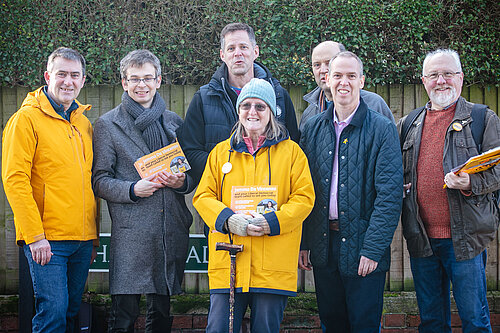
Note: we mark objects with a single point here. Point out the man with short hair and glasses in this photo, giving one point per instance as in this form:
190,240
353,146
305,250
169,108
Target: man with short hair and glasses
447,228
149,218
46,173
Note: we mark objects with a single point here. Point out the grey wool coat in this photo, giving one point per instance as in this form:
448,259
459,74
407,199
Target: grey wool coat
149,239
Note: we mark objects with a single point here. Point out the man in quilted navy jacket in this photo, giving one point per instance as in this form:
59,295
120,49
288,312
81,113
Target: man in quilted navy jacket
355,161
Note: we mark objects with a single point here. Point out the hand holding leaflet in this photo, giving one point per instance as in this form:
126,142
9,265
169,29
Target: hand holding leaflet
479,163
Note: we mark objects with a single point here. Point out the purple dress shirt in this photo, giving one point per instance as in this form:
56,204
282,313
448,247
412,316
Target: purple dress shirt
333,213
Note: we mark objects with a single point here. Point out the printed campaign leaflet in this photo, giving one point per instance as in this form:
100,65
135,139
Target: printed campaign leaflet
170,159
255,198
479,162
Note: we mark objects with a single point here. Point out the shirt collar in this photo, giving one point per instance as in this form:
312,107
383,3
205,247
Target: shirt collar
348,120
248,142
428,106
60,108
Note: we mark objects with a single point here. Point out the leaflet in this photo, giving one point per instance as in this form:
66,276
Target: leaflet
256,198
170,159
480,162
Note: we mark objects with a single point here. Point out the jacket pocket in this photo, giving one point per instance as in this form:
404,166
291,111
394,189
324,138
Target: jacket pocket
480,214
218,259
121,215
465,148
281,253
408,156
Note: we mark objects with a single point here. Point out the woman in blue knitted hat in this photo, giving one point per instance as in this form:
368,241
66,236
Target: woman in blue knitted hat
258,161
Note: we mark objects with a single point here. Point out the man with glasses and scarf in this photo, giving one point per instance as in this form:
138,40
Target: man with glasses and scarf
150,220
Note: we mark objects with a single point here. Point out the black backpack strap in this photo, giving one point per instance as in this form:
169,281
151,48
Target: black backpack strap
478,115
405,128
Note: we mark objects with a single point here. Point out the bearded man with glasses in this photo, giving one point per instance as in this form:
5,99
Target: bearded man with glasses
448,229
150,220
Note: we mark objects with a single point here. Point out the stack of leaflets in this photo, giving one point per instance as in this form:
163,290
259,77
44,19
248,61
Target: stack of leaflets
480,162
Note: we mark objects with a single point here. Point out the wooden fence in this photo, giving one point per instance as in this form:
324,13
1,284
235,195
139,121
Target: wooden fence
400,98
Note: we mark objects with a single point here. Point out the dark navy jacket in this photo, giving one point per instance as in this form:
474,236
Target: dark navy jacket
370,187
212,115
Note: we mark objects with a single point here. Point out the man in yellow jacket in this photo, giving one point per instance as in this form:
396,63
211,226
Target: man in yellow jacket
46,172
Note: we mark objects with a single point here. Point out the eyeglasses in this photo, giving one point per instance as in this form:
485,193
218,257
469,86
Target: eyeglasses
446,75
146,80
258,107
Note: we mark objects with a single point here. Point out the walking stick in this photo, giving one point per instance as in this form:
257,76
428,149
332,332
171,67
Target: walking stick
232,249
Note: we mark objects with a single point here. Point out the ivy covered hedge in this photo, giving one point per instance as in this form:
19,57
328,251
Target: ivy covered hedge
390,36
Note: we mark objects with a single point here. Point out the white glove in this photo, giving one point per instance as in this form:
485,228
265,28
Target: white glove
237,224
260,221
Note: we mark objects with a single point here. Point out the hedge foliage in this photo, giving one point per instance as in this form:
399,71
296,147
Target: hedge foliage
390,36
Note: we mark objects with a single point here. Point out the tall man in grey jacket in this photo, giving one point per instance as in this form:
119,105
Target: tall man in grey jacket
149,218
448,229
320,97
355,163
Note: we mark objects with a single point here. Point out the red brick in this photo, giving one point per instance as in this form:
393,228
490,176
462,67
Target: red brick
199,321
9,323
495,319
455,320
399,330
183,321
412,320
140,323
456,330
394,320
300,322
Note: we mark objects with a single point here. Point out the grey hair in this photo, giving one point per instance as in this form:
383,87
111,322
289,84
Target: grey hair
274,130
346,54
138,58
232,27
66,53
449,52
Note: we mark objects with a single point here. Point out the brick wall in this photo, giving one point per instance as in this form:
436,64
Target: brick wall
391,323
400,315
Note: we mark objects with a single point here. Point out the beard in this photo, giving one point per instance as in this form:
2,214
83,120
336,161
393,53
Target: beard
443,99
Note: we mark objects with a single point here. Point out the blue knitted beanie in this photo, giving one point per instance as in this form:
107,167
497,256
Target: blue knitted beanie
258,88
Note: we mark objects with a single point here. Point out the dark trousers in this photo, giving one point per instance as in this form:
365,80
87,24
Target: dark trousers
125,310
348,303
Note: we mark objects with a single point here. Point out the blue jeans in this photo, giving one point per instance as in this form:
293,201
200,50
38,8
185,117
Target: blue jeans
432,276
58,285
348,303
265,317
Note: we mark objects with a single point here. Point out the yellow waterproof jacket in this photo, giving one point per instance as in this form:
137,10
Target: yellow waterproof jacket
268,264
46,172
